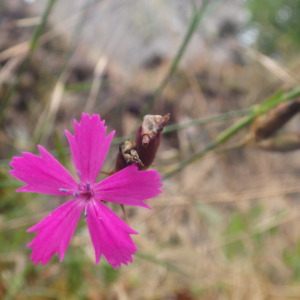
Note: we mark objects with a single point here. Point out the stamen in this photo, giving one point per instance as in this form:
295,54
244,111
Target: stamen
88,187
64,190
78,174
85,214
75,194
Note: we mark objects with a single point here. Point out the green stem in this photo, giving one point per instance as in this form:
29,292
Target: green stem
40,28
160,262
202,121
48,121
32,46
232,130
195,21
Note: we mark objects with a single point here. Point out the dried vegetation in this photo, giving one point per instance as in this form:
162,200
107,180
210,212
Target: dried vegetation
226,226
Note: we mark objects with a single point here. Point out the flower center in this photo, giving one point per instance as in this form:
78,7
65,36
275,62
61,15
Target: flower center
85,191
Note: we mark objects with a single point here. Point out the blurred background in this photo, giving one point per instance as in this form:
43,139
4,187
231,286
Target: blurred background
227,224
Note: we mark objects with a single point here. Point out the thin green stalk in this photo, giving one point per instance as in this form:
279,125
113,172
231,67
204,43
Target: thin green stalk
32,46
41,26
160,262
232,130
195,21
48,121
202,121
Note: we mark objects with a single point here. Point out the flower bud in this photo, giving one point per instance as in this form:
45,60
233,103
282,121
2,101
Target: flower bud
127,155
143,150
148,138
266,125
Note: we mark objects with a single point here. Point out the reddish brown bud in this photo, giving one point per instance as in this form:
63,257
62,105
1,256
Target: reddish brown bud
265,126
148,138
143,150
151,126
127,155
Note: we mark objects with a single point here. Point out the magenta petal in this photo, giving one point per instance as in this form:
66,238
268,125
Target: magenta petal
55,232
89,146
110,235
42,174
129,186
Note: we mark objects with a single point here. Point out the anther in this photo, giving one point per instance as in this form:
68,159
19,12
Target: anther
88,187
75,194
85,214
64,190
78,174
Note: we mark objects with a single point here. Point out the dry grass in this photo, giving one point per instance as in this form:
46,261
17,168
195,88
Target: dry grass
226,227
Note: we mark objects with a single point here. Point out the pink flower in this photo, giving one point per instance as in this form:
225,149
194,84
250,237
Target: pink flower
44,174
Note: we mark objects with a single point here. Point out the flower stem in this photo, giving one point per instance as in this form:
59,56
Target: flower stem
193,26
202,121
32,46
232,130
